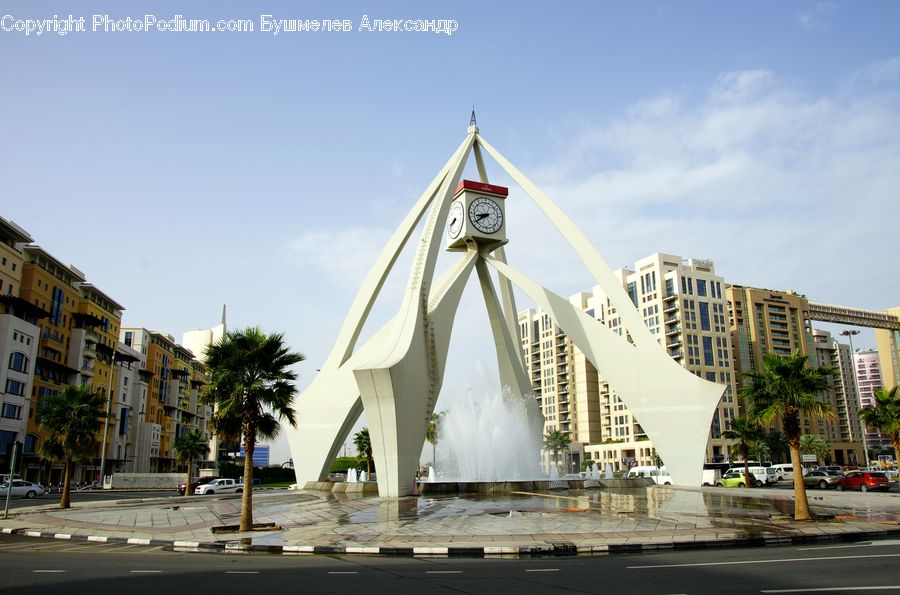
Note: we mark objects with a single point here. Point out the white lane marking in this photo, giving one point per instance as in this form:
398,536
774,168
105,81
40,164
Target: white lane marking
831,589
542,570
443,572
884,542
342,572
47,571
765,561
145,571
241,572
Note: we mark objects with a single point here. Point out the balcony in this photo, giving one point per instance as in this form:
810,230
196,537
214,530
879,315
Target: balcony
670,306
673,342
673,329
670,296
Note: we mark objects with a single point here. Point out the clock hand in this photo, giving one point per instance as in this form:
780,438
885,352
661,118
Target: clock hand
452,221
481,216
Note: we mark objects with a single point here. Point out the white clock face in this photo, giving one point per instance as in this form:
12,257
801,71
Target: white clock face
485,215
455,220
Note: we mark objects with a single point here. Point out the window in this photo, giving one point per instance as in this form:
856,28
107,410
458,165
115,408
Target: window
707,351
129,338
30,444
632,291
18,362
14,387
701,287
11,411
6,439
704,316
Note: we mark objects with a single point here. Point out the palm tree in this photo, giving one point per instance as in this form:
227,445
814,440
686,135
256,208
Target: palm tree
555,441
189,447
364,448
250,382
433,434
786,388
811,444
72,419
884,417
747,432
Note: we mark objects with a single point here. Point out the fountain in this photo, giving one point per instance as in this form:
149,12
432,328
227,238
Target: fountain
362,476
609,471
351,475
432,477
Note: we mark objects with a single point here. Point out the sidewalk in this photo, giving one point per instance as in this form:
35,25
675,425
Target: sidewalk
591,521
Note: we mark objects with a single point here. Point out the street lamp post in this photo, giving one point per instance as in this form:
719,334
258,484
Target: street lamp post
850,333
112,364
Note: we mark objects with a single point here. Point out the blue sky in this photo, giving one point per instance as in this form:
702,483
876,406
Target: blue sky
181,171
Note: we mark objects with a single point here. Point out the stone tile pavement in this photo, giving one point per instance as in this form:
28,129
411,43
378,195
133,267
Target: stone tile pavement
587,521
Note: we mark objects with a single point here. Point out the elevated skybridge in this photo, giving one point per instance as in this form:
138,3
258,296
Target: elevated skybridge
853,316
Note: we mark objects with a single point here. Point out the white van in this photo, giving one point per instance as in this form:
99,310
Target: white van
660,475
784,471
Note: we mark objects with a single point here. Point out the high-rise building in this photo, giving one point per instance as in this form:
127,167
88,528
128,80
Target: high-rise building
869,379
888,343
843,434
682,302
197,341
170,382
765,321
19,335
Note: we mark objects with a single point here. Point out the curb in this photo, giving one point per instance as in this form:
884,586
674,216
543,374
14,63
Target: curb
536,550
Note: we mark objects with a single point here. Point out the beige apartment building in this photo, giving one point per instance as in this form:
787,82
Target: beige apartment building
766,321
683,303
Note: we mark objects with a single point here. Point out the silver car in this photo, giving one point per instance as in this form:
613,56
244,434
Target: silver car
22,489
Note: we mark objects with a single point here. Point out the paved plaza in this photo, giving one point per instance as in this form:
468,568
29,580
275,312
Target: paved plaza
589,521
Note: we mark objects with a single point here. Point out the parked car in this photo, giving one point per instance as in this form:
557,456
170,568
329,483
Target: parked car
732,479
820,479
762,475
833,469
221,485
194,484
22,489
864,481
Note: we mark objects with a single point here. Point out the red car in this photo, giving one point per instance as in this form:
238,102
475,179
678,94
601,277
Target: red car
194,484
864,481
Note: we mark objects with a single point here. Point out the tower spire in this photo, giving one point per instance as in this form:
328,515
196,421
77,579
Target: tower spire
472,121
223,314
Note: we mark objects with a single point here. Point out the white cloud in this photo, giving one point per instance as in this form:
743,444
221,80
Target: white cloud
342,255
817,19
780,187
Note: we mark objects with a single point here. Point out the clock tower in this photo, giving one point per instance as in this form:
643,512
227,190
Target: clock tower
477,215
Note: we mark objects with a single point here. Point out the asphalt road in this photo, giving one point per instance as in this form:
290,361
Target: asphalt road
29,565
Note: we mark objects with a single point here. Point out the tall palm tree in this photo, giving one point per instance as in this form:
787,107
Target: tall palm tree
747,432
189,447
786,388
364,448
884,417
433,434
72,419
250,383
556,441
812,444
